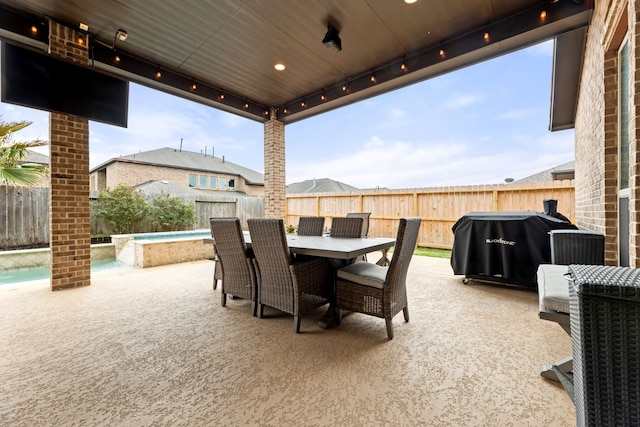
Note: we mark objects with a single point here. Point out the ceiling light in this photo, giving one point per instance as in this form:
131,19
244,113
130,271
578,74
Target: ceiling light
279,66
410,1
121,35
332,40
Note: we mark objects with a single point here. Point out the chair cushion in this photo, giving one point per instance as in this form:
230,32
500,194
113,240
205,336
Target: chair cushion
364,273
553,287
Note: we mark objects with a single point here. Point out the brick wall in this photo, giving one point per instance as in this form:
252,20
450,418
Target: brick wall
69,176
132,174
597,128
274,170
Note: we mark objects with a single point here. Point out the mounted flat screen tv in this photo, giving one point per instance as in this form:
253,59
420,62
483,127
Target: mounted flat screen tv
36,80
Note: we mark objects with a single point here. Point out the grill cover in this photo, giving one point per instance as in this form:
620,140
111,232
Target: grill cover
503,246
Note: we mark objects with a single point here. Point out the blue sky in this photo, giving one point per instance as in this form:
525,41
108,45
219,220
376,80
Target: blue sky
478,125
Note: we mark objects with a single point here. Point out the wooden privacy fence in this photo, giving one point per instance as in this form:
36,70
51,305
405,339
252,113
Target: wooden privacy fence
439,208
24,216
24,212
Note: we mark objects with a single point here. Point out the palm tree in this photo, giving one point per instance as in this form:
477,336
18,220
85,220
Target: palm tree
12,171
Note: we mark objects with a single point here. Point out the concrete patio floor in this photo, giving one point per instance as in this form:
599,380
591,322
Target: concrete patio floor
153,346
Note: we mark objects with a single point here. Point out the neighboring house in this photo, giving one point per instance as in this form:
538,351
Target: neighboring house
207,203
185,168
40,159
323,185
557,173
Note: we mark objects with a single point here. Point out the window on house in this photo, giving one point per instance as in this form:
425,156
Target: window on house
223,183
203,181
232,184
213,182
193,181
623,104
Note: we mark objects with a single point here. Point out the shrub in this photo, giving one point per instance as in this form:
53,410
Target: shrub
123,208
171,214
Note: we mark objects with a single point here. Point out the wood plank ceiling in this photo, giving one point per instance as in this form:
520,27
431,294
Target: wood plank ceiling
230,47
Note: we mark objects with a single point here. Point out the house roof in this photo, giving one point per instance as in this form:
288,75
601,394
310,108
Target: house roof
188,160
548,175
230,47
35,157
322,185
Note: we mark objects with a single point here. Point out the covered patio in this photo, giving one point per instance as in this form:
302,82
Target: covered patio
224,54
154,347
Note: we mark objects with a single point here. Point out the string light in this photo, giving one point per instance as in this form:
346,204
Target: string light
194,86
441,53
372,78
486,37
34,29
543,14
323,97
117,58
158,75
303,104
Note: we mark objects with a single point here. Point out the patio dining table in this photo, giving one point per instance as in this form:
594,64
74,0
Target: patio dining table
341,248
332,247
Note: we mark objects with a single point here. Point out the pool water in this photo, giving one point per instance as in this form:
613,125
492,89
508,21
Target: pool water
173,235
39,273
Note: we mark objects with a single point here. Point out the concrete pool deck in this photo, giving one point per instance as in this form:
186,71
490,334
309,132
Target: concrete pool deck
153,346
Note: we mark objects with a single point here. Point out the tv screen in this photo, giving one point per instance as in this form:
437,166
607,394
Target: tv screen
36,80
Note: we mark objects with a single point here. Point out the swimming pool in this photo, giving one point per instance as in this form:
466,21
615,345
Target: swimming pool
20,275
129,250
173,235
153,249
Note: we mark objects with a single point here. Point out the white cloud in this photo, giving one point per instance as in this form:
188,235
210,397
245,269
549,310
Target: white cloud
517,114
381,163
461,100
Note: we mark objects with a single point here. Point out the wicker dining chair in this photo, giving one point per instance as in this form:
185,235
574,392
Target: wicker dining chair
286,283
365,228
217,270
235,259
376,290
346,227
365,221
310,225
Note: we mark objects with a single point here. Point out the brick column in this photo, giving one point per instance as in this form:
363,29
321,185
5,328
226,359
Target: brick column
70,224
274,169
